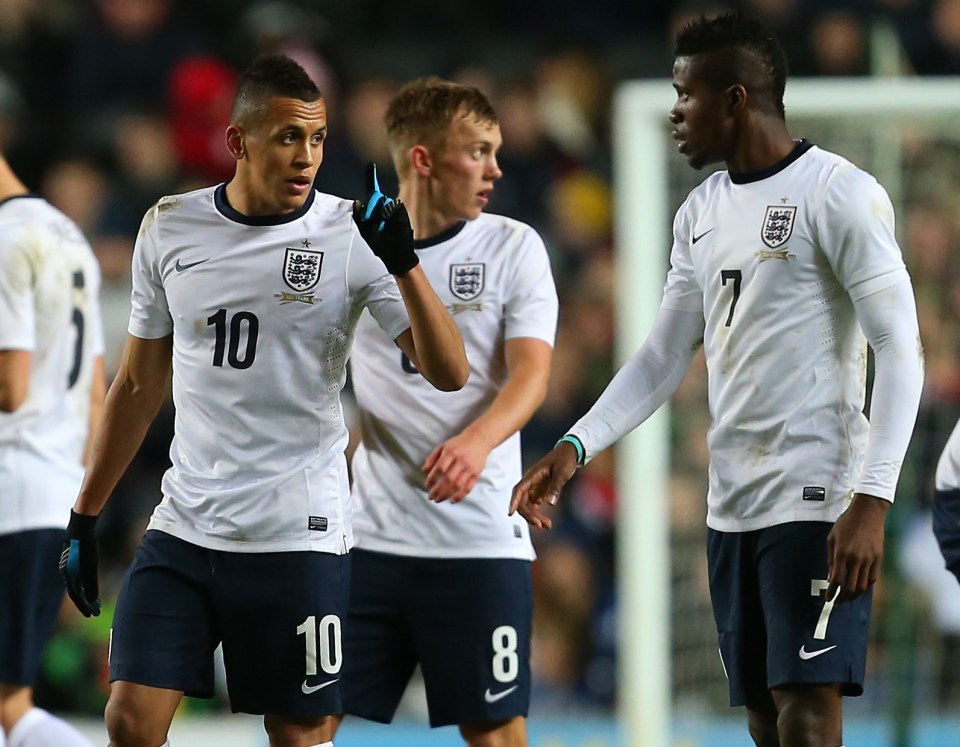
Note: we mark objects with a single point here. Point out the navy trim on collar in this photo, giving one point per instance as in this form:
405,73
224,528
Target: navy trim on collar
30,195
440,237
755,176
223,206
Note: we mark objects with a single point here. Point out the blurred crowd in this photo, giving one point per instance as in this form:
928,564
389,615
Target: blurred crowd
105,105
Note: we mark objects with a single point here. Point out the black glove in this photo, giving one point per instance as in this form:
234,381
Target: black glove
385,226
78,563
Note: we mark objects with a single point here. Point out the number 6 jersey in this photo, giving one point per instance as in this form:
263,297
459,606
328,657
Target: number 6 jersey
494,276
49,285
262,312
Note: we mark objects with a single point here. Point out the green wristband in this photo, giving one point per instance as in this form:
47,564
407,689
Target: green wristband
577,444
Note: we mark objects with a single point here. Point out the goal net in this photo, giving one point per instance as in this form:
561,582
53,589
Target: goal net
906,132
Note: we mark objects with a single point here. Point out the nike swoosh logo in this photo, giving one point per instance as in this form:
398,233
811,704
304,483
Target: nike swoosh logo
494,697
307,689
180,267
697,238
804,654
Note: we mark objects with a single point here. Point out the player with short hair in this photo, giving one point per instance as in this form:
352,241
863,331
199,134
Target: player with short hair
249,292
51,395
441,575
778,262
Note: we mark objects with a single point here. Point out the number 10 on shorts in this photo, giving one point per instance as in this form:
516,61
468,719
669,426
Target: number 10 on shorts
330,649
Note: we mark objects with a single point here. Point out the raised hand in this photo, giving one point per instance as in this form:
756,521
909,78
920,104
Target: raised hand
385,226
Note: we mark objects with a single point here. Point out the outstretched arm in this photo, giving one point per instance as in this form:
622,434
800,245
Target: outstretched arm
453,467
855,545
644,383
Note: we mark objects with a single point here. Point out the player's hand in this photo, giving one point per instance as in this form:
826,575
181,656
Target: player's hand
855,547
543,481
454,467
78,563
385,226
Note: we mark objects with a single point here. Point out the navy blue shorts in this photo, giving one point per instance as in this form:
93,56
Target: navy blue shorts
946,527
775,627
278,616
465,621
30,599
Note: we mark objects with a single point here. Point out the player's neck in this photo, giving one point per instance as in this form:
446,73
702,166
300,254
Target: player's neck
10,185
761,147
426,219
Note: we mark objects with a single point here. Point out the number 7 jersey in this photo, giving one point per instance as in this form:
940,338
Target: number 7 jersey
775,261
262,312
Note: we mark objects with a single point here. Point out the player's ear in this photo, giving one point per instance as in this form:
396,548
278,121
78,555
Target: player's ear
736,97
235,142
420,160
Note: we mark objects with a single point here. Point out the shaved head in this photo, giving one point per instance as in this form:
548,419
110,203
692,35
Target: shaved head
268,77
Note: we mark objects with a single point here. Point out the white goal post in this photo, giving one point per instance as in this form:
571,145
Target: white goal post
642,239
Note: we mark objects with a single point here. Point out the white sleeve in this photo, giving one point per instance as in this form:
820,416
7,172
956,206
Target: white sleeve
889,321
149,313
372,287
645,382
18,323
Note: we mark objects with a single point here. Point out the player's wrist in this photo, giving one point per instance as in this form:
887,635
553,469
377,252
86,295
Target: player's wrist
81,526
400,265
577,444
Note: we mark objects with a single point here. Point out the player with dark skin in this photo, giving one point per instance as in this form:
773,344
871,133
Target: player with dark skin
729,110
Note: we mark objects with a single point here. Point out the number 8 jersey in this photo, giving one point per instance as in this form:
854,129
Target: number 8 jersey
262,312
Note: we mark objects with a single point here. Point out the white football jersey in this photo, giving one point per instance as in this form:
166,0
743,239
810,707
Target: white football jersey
494,276
774,261
262,312
49,281
948,467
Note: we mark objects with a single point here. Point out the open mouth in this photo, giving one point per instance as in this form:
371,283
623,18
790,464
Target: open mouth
300,184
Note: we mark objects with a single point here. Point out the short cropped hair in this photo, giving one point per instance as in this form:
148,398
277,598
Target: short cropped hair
268,76
763,67
423,110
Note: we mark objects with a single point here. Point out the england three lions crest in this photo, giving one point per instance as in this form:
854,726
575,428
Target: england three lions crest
301,268
466,280
778,224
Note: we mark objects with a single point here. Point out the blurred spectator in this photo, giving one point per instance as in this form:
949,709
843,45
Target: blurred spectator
357,135
838,45
200,92
573,100
122,57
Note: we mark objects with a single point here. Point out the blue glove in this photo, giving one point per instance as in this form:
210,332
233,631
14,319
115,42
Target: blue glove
385,226
78,563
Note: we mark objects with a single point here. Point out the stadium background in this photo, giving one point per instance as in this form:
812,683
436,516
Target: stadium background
107,104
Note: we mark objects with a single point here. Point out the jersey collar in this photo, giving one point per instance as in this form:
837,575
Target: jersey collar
227,211
440,237
31,195
747,177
